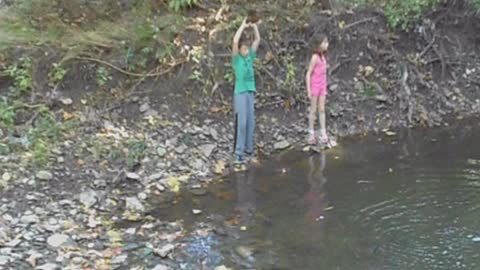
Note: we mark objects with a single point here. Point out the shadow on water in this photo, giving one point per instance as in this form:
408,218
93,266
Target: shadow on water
411,201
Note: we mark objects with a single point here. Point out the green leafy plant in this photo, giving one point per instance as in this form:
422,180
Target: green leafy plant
229,76
7,115
103,76
177,5
40,152
57,74
44,135
136,151
21,73
369,90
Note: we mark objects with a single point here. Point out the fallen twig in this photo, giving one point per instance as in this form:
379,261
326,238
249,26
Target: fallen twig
337,66
359,22
427,48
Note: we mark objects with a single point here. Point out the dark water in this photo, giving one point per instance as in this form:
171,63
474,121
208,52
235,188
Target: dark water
411,201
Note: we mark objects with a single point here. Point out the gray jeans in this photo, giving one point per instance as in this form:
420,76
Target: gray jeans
244,104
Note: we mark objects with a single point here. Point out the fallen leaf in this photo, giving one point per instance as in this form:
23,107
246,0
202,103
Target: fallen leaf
173,184
341,24
215,109
219,167
67,116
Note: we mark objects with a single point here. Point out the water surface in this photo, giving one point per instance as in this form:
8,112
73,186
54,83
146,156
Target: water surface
410,201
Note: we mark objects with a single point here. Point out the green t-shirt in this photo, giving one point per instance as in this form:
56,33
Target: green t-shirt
244,73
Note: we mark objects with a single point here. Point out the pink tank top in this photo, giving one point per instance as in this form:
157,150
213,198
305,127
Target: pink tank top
319,74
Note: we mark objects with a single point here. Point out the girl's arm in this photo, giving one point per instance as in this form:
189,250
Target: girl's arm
256,42
237,37
309,73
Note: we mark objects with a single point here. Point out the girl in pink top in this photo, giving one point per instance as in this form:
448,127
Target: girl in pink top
317,89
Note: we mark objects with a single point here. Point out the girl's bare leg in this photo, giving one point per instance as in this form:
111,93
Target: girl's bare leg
322,117
311,118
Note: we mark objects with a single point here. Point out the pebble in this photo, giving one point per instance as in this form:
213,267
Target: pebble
119,259
4,260
132,176
281,145
29,219
207,149
6,177
88,198
165,250
67,101
44,175
161,267
57,240
134,204
161,151
48,266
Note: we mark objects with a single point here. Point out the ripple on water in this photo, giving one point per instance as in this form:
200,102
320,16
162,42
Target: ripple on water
427,224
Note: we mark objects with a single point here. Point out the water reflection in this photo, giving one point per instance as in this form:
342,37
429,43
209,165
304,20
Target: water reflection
245,204
315,199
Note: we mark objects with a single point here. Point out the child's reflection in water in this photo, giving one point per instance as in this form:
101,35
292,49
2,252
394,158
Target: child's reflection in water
315,199
246,202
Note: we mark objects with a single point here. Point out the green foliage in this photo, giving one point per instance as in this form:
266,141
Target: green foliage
40,152
21,73
369,90
136,151
401,13
43,136
57,73
177,5
103,76
7,115
476,3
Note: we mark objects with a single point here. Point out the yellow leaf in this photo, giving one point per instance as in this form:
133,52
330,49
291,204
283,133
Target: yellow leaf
67,116
173,184
115,237
341,24
219,167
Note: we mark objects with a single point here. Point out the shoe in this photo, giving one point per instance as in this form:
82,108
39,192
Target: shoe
312,140
324,139
239,160
251,157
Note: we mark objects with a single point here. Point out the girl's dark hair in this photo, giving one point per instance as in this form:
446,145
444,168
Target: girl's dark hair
241,42
316,43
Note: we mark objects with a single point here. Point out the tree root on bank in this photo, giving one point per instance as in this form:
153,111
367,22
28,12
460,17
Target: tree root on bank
128,73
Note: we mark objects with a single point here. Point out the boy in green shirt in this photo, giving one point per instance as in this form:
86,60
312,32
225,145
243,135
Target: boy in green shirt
243,58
